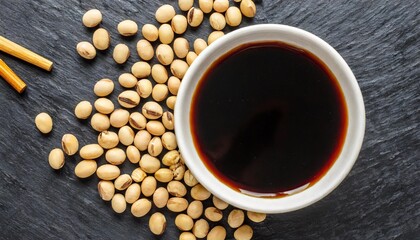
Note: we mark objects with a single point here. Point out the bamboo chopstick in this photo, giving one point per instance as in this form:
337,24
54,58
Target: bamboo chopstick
27,55
11,77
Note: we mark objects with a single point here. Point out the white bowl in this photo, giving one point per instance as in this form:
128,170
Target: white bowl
353,98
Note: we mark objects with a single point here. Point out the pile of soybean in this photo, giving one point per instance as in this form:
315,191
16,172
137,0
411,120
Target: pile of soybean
147,133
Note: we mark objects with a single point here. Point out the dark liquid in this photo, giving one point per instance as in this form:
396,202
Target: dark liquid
268,118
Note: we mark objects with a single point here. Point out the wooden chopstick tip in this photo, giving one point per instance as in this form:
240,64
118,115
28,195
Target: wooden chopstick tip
25,54
10,76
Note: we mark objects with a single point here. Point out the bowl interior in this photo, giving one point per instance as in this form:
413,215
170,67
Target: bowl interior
298,38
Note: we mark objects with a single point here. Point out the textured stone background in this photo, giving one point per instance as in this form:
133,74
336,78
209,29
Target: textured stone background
380,199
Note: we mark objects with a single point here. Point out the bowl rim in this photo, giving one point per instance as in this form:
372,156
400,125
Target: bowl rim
347,81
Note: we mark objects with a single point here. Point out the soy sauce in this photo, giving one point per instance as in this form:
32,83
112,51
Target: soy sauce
268,119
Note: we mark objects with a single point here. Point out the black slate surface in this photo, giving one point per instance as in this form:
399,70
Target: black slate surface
380,199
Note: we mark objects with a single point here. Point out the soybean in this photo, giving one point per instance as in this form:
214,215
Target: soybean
103,87
137,121
220,204
155,128
101,39
144,88
169,141
157,223
177,204
152,110
164,54
185,5
123,182
108,172
44,122
245,232
173,85
106,190
148,186
168,120
142,139
256,217
184,222
195,17
159,92
141,69
201,228
205,5
189,179
150,32
233,16
133,154
141,207
217,233
220,5
159,73
160,197
138,175
119,118
199,45
83,110
145,50
127,80
213,214
171,158
236,218
56,158
121,53
132,193
149,164
164,175
195,209
70,144
86,50
127,28
214,36
187,236
126,135
104,105
178,170
100,122
85,168
115,156
166,34
170,102
248,8
181,47
129,99
118,203
92,18
198,192
191,56
91,151
176,189
179,68
217,21
108,139
179,24
165,13
155,146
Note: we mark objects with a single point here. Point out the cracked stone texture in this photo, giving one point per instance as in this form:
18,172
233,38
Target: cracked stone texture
380,199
